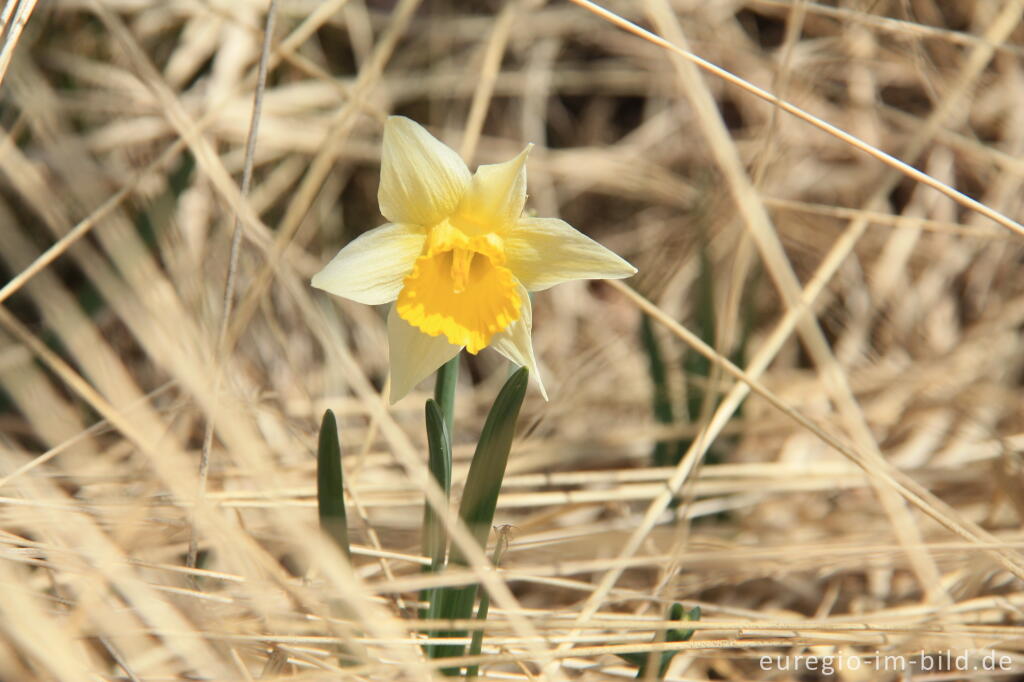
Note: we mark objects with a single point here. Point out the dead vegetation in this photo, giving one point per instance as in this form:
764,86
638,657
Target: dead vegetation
866,500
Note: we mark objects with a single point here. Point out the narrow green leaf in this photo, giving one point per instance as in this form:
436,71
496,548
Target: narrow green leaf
439,443
676,611
435,538
676,635
748,319
661,400
330,488
665,453
696,364
487,470
477,642
330,493
637,658
480,497
642,659
440,464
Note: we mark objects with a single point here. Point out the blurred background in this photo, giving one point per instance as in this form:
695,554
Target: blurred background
865,497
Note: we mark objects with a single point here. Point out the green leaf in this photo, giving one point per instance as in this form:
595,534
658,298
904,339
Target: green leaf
440,465
330,493
637,658
642,659
487,470
480,497
330,490
696,364
661,400
477,642
440,416
679,613
435,538
665,453
748,320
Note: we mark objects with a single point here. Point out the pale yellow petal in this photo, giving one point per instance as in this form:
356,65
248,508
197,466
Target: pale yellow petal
421,179
495,198
413,355
516,342
543,252
371,268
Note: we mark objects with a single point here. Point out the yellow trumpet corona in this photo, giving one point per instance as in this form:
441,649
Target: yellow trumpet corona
457,257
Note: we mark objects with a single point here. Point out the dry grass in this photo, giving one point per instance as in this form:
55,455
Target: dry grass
859,164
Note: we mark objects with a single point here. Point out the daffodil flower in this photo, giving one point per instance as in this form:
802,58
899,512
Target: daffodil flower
457,256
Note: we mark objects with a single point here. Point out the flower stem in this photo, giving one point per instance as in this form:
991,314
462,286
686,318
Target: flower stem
444,391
